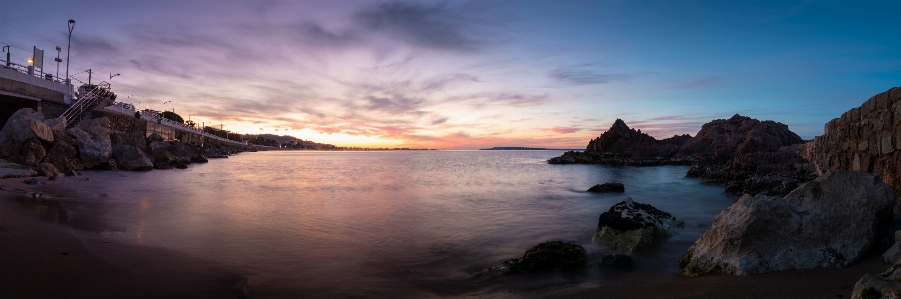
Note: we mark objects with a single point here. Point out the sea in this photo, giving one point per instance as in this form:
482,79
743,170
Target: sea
388,224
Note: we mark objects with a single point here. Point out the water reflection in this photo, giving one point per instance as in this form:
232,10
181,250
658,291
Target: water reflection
398,224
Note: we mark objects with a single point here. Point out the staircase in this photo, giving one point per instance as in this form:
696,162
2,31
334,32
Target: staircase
85,104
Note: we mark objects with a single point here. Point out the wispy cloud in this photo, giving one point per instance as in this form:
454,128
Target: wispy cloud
584,76
700,82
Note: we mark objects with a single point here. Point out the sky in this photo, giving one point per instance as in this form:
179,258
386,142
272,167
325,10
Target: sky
472,74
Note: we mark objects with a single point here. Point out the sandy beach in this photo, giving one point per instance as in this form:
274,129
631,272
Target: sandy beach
40,257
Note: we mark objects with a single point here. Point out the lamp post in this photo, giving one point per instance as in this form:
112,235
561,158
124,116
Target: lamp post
69,48
58,51
111,76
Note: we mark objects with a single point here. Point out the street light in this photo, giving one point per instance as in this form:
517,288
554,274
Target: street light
111,76
69,48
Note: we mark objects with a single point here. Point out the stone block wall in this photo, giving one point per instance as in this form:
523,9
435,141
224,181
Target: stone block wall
866,139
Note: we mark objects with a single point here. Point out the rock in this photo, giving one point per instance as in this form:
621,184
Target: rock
112,165
131,158
31,153
173,153
549,256
893,254
874,287
616,261
629,226
47,169
23,125
829,222
60,156
199,159
608,187
746,154
56,124
32,181
154,137
93,137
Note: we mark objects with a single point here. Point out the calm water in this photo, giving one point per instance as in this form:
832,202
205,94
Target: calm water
376,224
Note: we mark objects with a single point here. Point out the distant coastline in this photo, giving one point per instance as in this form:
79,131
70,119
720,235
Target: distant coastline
523,148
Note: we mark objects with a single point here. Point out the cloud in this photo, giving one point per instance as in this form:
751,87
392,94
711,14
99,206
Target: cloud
578,76
470,27
699,82
564,130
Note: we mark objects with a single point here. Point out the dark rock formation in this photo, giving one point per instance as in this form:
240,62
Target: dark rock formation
749,156
131,158
93,137
608,187
621,145
745,154
548,256
616,261
25,124
876,287
829,222
866,138
629,226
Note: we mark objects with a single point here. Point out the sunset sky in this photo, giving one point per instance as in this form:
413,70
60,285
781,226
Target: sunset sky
474,74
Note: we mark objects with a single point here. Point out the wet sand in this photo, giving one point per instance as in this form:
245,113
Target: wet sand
46,259
42,258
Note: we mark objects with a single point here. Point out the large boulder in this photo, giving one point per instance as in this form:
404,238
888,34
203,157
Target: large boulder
23,125
876,287
93,138
608,187
128,157
169,153
548,256
630,226
61,155
829,222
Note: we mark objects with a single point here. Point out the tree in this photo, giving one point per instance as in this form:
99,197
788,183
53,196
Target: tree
173,117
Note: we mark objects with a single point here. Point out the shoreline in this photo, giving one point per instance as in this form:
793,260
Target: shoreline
43,258
32,265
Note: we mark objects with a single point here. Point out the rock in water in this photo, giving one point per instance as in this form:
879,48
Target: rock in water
549,256
829,222
608,187
131,158
629,226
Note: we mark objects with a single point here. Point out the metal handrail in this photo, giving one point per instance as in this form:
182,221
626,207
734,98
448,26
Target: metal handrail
85,101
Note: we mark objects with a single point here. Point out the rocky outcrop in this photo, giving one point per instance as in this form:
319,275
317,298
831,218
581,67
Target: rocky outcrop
630,226
621,145
128,157
93,138
876,287
25,124
748,156
866,138
548,256
607,187
829,222
745,154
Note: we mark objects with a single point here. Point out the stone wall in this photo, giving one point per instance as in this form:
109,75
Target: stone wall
51,109
866,139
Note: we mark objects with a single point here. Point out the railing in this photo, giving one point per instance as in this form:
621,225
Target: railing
86,102
153,116
24,69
